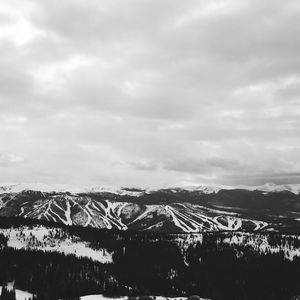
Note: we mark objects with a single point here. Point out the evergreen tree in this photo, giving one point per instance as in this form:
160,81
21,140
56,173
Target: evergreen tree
7,294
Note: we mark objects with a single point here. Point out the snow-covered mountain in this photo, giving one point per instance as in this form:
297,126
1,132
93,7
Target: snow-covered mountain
137,191
189,209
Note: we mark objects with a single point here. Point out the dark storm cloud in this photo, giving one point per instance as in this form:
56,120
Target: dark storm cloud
147,92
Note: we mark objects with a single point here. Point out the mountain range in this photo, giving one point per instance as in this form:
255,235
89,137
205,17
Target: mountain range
203,208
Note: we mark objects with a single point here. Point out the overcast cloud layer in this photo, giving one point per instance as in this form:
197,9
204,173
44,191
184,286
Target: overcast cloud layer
150,92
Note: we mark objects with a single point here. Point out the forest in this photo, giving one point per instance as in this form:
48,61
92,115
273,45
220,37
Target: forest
155,264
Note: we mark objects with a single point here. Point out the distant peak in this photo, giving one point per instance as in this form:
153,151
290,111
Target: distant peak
136,191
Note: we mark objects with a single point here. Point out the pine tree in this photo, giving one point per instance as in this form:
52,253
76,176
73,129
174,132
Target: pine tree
7,295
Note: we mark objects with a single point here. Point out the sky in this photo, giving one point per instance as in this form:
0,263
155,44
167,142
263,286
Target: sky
150,92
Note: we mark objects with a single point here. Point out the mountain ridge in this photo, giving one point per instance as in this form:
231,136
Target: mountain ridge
205,188
165,210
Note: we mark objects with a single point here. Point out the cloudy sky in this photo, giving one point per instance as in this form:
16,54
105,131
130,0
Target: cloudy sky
150,92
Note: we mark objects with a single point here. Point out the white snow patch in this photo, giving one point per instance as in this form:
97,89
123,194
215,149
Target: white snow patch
101,297
42,238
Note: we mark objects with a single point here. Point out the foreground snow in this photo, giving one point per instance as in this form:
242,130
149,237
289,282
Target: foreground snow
101,297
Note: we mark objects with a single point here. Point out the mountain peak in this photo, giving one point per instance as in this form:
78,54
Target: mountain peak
136,191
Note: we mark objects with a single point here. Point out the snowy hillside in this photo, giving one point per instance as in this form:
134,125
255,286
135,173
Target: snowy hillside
86,211
48,239
193,209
